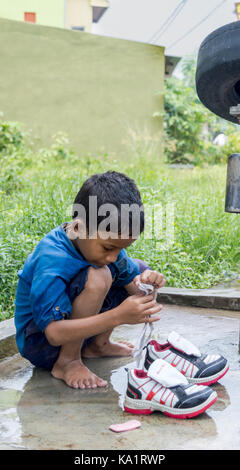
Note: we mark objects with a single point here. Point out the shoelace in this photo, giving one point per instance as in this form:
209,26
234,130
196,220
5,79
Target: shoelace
137,351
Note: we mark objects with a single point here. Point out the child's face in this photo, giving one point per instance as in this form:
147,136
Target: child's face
101,251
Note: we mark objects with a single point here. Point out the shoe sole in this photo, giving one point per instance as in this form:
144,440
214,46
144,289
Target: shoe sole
142,407
209,380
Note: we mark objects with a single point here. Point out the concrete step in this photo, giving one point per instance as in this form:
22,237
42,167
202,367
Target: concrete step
8,345
218,298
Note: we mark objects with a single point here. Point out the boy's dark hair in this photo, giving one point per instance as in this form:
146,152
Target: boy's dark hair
114,188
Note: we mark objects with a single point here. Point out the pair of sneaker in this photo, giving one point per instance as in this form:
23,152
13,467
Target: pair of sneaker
175,379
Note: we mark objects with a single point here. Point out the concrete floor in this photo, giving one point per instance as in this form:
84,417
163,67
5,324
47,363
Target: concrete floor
40,412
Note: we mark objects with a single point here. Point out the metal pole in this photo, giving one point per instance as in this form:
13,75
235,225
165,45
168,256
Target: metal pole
232,203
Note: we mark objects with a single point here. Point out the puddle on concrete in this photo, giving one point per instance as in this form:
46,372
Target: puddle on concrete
17,381
229,284
119,381
40,412
10,426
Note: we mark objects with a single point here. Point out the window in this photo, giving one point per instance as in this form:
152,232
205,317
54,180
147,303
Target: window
78,28
98,12
29,17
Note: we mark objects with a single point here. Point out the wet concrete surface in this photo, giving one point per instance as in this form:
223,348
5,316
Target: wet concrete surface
232,284
40,412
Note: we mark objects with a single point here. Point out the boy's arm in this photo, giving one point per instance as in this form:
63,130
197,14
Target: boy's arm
63,331
126,269
132,310
129,274
48,299
52,308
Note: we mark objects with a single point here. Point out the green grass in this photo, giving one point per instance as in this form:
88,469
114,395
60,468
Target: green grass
39,191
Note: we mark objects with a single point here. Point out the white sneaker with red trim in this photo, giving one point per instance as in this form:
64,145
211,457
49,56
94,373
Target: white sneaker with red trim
204,369
163,388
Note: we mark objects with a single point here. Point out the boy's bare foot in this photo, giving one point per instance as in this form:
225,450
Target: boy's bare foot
109,348
76,375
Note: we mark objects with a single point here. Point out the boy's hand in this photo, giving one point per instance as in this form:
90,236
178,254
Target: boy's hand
136,308
150,277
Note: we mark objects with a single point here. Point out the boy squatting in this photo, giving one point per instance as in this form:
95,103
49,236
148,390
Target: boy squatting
67,280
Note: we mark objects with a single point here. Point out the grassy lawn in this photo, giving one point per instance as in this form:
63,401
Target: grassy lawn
39,189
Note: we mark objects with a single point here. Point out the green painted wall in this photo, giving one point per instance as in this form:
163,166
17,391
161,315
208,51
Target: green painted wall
48,12
99,90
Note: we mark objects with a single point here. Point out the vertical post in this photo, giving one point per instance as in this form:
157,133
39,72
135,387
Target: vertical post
232,203
239,340
64,12
237,10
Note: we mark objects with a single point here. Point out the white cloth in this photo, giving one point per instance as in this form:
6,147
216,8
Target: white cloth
165,374
182,344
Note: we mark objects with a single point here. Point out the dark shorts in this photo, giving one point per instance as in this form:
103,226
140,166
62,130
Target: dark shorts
36,346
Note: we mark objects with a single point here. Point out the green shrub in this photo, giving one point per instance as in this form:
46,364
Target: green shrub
37,189
232,145
11,136
14,156
189,127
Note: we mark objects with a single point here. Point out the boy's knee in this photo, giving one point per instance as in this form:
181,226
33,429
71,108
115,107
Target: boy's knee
99,279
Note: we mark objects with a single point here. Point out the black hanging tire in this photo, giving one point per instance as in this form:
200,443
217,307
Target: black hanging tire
218,70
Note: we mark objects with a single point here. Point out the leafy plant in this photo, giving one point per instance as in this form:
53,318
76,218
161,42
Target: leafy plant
37,189
11,136
189,127
14,155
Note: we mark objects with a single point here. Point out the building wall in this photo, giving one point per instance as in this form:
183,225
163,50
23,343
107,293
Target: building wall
101,91
78,13
59,13
48,12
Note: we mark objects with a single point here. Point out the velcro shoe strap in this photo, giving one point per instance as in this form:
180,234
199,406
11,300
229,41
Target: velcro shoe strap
183,345
165,374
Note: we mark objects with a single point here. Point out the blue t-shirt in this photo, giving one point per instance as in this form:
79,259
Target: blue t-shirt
42,286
